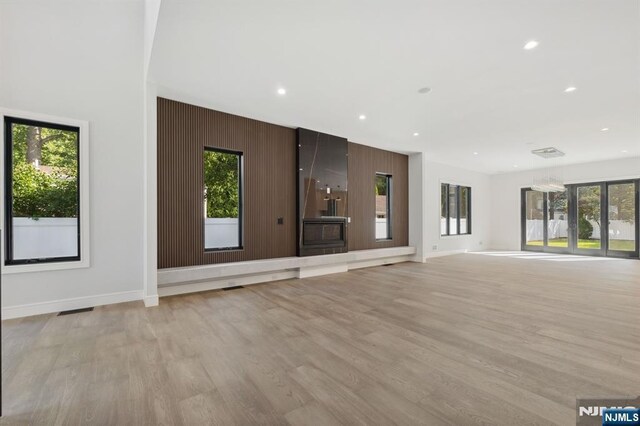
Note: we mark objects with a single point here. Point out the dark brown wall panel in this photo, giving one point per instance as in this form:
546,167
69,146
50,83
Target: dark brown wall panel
269,184
364,163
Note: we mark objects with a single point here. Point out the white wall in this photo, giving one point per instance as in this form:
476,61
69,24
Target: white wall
151,12
84,60
505,194
417,205
435,174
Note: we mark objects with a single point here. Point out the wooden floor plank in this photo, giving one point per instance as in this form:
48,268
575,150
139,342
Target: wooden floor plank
486,338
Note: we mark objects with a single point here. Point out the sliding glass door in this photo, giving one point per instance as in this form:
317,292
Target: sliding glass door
557,212
546,221
622,219
597,219
533,229
588,219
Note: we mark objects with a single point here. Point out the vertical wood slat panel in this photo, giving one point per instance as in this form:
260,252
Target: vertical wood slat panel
364,163
269,184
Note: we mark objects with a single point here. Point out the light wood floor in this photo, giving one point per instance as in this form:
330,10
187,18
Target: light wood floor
467,339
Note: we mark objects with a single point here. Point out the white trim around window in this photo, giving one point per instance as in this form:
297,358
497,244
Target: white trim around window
83,178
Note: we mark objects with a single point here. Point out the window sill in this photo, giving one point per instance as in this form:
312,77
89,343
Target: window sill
45,266
223,250
455,235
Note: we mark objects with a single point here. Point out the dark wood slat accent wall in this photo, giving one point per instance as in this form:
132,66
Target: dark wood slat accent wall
364,163
269,184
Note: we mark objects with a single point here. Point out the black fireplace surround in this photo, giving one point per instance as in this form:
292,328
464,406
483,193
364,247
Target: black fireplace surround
322,165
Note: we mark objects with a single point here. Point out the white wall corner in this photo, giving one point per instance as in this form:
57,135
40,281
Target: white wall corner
150,301
151,13
150,241
417,205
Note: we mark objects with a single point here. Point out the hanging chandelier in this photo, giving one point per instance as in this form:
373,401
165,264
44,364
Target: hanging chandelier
549,180
548,184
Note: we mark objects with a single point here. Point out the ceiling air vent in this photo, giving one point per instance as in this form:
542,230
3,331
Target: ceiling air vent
550,152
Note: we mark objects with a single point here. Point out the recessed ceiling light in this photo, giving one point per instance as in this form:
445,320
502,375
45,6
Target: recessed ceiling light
624,151
475,153
424,90
416,134
604,129
532,44
515,166
570,89
282,91
362,117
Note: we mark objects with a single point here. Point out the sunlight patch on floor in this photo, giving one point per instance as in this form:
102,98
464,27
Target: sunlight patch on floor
545,256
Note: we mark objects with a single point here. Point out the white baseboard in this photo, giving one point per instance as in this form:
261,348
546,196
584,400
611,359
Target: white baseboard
316,271
380,262
184,288
445,253
150,301
19,311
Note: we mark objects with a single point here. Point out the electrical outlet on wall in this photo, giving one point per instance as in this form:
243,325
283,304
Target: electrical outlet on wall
480,243
435,247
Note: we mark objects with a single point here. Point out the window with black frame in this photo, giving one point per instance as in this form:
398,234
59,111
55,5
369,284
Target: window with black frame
383,206
455,209
42,196
222,199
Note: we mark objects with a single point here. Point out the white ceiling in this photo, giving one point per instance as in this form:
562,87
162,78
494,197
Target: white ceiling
338,59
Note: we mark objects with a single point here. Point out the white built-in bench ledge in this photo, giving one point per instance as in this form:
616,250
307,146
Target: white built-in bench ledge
209,277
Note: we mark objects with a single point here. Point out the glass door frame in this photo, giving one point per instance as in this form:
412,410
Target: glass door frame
572,232
545,225
624,253
523,223
573,219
